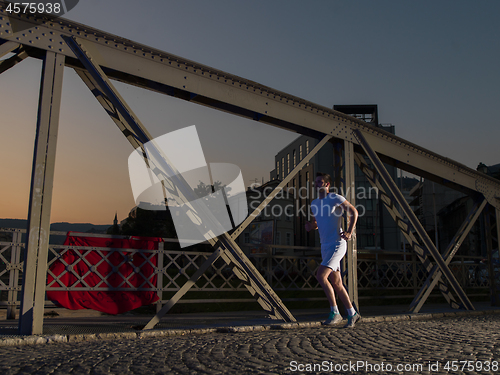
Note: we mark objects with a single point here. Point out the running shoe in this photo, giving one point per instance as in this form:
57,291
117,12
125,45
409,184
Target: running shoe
333,318
351,320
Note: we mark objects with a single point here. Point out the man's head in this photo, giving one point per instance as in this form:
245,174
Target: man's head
323,182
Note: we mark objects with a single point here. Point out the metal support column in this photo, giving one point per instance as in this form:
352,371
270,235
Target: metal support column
494,283
350,195
159,273
15,264
398,196
35,259
497,281
338,185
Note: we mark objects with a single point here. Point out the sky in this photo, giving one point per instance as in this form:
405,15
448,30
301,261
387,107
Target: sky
430,66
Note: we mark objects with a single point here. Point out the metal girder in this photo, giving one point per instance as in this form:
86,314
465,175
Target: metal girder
14,60
7,47
138,136
427,242
35,263
15,259
492,274
451,250
406,229
497,287
350,195
159,71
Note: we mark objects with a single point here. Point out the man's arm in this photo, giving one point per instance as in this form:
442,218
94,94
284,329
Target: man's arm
311,225
352,216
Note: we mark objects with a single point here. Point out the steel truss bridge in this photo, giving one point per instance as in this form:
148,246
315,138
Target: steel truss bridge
99,57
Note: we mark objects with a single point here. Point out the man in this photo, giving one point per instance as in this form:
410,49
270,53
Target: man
327,211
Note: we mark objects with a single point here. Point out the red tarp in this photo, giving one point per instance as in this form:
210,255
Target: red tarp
111,302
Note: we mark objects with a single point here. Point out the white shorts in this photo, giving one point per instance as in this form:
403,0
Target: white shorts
332,254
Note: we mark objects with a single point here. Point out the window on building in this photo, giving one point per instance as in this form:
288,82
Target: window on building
294,159
300,153
246,238
282,168
278,238
278,169
287,164
288,239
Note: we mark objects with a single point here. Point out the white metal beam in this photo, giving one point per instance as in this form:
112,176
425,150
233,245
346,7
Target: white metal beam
35,265
350,195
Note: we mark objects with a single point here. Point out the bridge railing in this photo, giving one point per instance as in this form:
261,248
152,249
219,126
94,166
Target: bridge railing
289,270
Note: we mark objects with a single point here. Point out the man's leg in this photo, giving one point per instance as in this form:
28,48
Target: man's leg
322,275
336,280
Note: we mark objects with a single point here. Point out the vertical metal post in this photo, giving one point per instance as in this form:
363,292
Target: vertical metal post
269,266
350,195
338,184
495,298
35,259
497,281
15,262
159,277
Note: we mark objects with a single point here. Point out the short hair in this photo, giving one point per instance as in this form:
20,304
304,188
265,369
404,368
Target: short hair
326,177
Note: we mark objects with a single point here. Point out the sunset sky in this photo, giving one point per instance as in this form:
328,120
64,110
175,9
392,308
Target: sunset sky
432,68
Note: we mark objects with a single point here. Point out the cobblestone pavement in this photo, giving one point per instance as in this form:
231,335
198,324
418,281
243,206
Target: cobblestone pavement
467,344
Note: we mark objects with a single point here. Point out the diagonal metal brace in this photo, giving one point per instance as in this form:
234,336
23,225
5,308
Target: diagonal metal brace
435,275
404,226
231,259
379,166
14,60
